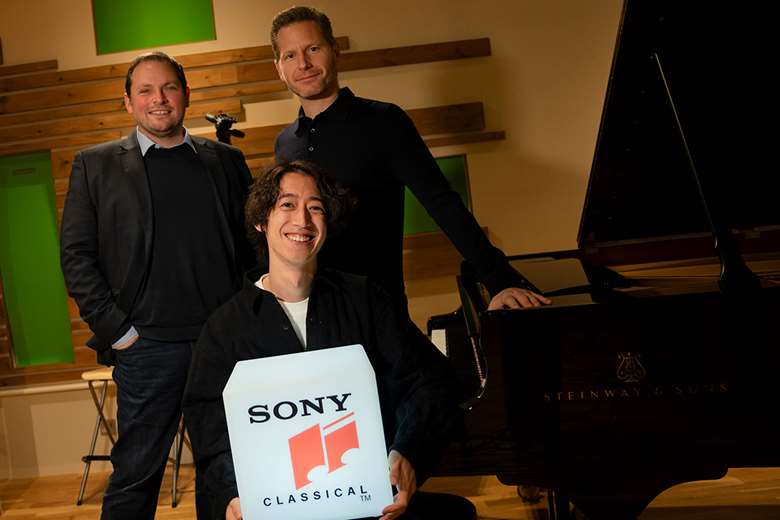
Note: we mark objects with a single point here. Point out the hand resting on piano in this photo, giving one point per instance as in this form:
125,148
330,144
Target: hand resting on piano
517,298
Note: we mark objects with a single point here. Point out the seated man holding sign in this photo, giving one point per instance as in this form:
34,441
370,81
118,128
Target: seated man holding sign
294,308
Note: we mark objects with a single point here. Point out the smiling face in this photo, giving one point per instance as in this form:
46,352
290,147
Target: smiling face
158,102
297,224
307,63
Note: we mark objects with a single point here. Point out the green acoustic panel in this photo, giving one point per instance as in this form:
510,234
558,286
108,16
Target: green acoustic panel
33,287
416,219
124,25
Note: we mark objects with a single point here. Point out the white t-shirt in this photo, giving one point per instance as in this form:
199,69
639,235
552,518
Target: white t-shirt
295,311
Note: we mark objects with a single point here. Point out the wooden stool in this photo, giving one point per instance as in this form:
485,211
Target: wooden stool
179,441
104,375
93,377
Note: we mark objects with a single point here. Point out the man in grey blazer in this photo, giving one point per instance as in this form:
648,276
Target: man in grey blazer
152,242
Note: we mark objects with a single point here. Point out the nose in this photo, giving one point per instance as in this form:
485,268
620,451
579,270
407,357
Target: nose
302,216
303,62
160,96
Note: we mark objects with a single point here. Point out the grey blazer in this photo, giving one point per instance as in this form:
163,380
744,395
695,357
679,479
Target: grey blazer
106,236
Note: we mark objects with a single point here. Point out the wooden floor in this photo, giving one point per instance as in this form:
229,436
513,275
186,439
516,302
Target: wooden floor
744,494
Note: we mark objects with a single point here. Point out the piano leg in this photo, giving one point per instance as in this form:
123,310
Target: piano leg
558,506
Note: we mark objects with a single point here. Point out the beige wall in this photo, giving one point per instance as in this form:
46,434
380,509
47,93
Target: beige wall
544,85
47,434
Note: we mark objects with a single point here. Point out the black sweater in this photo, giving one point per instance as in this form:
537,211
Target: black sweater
191,271
415,381
374,149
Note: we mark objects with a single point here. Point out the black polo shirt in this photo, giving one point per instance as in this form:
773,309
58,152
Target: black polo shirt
374,149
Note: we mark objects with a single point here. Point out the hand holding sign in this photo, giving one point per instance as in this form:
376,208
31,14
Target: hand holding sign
403,477
234,510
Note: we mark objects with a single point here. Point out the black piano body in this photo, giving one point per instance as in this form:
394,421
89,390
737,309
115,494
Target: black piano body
648,370
612,399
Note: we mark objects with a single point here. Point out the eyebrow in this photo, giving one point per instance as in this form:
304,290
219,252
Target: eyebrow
295,195
140,85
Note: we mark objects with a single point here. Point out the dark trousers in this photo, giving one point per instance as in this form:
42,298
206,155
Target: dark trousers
435,506
150,378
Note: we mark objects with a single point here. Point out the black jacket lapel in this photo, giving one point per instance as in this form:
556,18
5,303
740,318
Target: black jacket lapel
133,167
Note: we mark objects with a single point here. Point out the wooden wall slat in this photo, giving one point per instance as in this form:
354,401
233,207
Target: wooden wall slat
258,164
25,68
59,142
49,114
414,54
5,342
259,140
53,78
246,92
191,61
243,73
62,162
96,122
106,96
469,138
467,117
61,96
265,71
263,52
61,185
77,323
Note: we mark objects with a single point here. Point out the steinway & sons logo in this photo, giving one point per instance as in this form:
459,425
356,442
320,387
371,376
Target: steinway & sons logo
630,372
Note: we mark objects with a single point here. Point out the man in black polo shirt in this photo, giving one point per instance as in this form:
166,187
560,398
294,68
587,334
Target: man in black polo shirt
152,243
374,149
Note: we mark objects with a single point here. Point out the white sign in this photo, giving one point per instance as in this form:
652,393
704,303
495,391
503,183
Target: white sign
306,435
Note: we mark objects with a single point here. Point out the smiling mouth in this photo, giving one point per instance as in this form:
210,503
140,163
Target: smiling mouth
160,112
309,78
298,237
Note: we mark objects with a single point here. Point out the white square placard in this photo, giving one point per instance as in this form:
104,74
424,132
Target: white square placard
306,435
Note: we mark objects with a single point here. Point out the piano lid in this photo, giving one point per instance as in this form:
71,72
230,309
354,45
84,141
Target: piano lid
641,185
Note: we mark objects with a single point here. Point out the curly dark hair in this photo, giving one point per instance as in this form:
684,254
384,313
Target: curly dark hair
264,193
154,56
301,14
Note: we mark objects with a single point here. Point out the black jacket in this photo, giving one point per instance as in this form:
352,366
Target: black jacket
106,239
415,381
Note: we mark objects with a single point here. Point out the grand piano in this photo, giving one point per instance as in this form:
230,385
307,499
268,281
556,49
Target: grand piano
659,360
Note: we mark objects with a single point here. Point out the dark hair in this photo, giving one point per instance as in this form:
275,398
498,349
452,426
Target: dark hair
155,56
264,193
301,14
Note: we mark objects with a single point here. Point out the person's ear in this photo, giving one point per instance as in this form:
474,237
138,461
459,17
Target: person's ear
128,104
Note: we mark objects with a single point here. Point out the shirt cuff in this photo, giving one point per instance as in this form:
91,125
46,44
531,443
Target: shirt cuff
126,340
